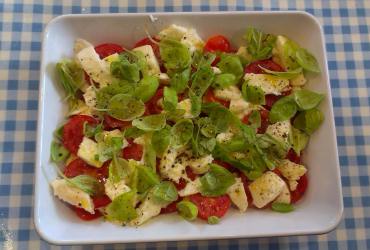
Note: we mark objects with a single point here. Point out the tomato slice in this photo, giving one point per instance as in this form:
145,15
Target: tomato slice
210,97
84,215
210,206
107,49
73,131
297,194
217,43
132,151
79,167
269,64
171,208
110,123
152,106
246,189
225,165
101,201
292,156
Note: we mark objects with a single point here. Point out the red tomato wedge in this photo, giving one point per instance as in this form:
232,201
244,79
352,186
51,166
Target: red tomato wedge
73,131
211,206
113,123
132,151
210,97
217,43
79,167
171,208
297,194
254,67
292,156
107,49
84,215
101,201
151,106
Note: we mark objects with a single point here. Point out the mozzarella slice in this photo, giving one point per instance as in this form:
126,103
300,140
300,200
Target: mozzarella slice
174,31
216,70
280,130
266,188
199,165
268,83
72,195
224,137
240,107
229,93
192,40
147,210
185,105
192,187
238,196
90,96
82,109
113,190
97,69
292,172
163,78
151,60
80,44
284,196
87,151
170,168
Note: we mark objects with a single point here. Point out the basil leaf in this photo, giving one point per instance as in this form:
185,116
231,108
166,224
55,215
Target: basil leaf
133,132
307,60
119,169
150,122
259,45
216,181
253,175
283,74
146,88
201,80
224,80
144,179
220,116
309,120
175,115
298,140
282,207
126,108
122,208
187,210
255,119
212,220
181,133
86,183
91,131
253,94
307,99
207,128
164,193
282,110
161,140
58,133
71,77
170,99
237,143
200,58
176,56
104,95
196,104
150,156
58,153
179,81
231,64
125,70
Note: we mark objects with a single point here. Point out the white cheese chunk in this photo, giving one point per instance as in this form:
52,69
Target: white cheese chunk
97,69
280,130
229,93
238,196
113,190
174,31
192,187
163,78
90,96
88,150
170,168
266,188
284,196
147,210
240,107
224,137
292,172
216,70
268,83
192,40
199,165
72,195
80,44
150,58
185,105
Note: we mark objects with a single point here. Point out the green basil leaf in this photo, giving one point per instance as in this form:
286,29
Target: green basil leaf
146,88
237,143
175,115
196,104
254,174
71,77
144,179
298,140
283,74
86,183
307,60
307,99
259,45
286,52
164,193
231,64
179,81
181,133
187,210
309,120
282,110
150,156
91,131
224,80
125,70
176,56
200,58
105,94
122,208
161,140
212,220
126,108
216,181
282,207
207,128
253,94
170,99
255,119
58,153
58,133
220,116
119,169
133,132
201,80
150,122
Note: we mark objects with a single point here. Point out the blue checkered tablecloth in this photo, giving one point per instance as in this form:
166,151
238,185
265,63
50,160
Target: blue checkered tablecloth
346,26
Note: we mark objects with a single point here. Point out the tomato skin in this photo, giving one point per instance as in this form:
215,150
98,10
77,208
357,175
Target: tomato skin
72,134
246,183
210,97
297,194
267,64
107,49
151,106
270,100
111,123
217,43
171,208
226,165
182,182
79,167
264,121
101,201
84,215
132,151
210,206
292,156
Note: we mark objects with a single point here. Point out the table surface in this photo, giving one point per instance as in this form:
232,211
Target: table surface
346,26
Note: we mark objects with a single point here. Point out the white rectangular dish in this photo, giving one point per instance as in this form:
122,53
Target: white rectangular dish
319,211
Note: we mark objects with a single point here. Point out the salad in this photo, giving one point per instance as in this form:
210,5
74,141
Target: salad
176,124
